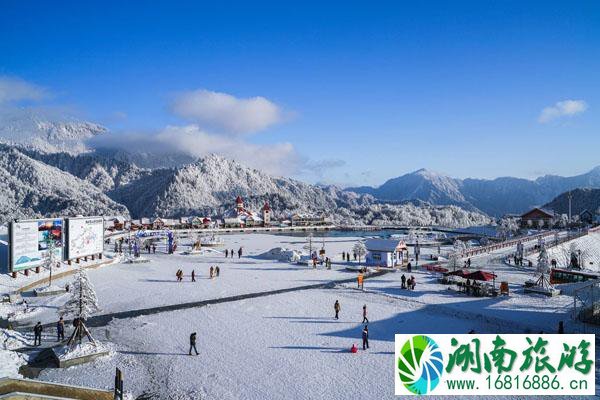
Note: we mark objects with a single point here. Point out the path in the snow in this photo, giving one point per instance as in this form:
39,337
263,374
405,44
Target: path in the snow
105,319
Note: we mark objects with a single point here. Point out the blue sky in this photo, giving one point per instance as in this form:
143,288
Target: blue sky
361,92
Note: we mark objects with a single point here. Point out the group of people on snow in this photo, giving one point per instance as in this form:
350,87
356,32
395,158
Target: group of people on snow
365,332
39,328
151,248
231,253
346,256
213,271
409,283
179,275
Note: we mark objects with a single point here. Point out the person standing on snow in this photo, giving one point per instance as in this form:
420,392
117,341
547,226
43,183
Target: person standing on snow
226,253
365,337
231,252
37,334
240,253
365,319
60,330
217,270
403,279
193,276
337,309
193,343
211,272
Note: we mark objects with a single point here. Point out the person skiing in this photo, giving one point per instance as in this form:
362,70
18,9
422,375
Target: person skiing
226,253
240,253
193,343
337,309
60,330
193,276
211,272
365,337
217,270
37,334
403,279
365,319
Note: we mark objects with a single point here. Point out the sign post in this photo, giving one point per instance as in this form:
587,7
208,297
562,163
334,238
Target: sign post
118,385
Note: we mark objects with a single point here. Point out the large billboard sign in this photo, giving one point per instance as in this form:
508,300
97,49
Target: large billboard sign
85,236
29,242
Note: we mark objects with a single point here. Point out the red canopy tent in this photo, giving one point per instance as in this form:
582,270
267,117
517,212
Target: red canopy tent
480,276
459,272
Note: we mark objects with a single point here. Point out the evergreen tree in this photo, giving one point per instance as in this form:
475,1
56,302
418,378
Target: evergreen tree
359,249
51,260
82,304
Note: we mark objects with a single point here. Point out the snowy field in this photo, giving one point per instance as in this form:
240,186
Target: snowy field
590,250
285,345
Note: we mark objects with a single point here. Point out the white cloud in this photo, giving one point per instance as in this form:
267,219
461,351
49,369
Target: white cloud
225,113
276,159
15,89
565,108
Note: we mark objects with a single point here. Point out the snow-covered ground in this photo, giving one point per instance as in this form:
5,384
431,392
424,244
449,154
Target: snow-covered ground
590,251
123,286
285,345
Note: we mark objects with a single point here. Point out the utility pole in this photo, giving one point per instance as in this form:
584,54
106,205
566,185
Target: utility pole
570,197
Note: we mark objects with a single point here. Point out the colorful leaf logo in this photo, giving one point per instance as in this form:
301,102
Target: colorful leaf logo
420,364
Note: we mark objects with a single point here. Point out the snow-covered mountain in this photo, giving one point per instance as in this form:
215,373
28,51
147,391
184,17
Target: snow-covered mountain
30,188
33,130
494,197
99,169
424,185
50,170
582,199
210,185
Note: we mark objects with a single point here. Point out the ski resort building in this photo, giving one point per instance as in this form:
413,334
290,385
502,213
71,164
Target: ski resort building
386,252
586,217
117,223
538,218
266,213
240,217
307,220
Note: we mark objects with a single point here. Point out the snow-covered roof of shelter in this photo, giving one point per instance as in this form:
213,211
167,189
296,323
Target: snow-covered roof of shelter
389,245
549,213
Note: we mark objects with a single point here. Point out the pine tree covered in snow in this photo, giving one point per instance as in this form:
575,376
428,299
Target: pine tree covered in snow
543,261
454,260
83,302
359,249
51,259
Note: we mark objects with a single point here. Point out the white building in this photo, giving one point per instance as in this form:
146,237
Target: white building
386,252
